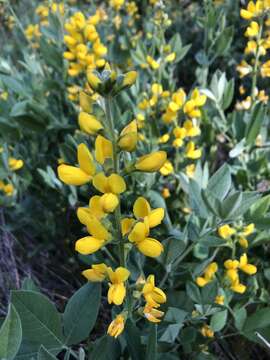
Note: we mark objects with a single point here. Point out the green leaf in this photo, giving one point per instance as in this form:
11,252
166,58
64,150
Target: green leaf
171,333
248,198
220,183
223,41
259,320
240,316
151,349
10,335
81,313
104,346
260,207
28,284
230,205
218,320
196,201
255,122
175,315
44,354
193,292
228,94
133,339
41,323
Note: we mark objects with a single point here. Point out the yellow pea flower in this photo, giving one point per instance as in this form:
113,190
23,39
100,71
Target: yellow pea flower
226,231
166,193
146,245
253,10
231,264
81,175
164,139
129,78
244,68
265,69
245,266
171,57
191,152
192,129
167,168
232,275
117,290
93,80
152,62
157,89
95,209
190,170
253,29
86,102
15,164
99,236
142,210
126,225
103,149
249,229
89,123
8,189
208,275
151,162
110,186
243,242
116,327
153,295
206,331
117,4
219,300
129,137
153,315
97,273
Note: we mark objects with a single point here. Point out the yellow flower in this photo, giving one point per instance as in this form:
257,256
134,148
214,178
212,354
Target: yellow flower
253,29
117,4
246,267
167,168
249,229
93,80
152,314
219,300
15,164
166,193
206,331
129,78
117,290
97,273
265,69
232,275
103,149
89,123
243,242
152,62
226,231
126,225
253,10
151,162
171,57
208,275
99,236
95,209
191,128
111,187
157,89
192,152
116,327
244,68
153,295
129,137
81,175
163,139
142,210
8,189
146,245
190,170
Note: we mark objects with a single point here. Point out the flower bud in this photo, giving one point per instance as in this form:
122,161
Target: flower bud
151,162
89,124
128,137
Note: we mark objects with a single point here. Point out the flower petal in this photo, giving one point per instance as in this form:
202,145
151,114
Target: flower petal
141,208
72,175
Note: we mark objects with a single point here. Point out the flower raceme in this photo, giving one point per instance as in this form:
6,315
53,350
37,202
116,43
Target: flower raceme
81,175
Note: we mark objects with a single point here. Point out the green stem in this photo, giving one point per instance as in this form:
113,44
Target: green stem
117,213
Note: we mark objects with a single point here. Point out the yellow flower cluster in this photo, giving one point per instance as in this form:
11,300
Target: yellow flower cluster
240,235
104,170
208,275
257,46
85,48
